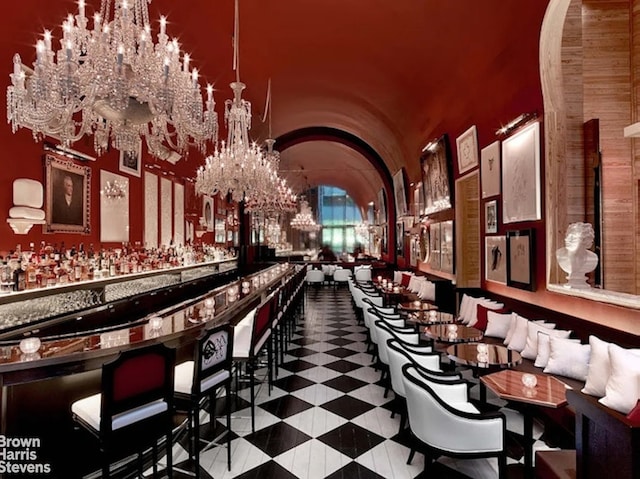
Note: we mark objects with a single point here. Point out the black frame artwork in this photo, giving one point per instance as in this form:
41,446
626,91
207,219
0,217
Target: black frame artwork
520,267
436,167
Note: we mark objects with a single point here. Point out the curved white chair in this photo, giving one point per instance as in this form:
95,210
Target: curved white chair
341,276
363,274
446,423
314,277
385,331
401,353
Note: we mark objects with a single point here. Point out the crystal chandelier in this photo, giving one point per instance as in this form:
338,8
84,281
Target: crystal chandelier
239,166
114,82
303,220
362,231
280,199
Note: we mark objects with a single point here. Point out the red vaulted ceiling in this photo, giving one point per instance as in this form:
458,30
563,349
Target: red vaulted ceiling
393,73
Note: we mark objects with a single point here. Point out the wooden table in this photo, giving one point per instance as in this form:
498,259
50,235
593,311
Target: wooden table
483,355
417,306
428,318
548,392
452,333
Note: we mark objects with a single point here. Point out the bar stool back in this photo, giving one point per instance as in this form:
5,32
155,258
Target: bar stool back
200,379
135,407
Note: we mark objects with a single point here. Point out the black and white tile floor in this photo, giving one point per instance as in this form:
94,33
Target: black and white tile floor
326,416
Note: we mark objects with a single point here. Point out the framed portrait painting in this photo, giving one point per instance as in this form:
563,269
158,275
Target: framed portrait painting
490,170
400,193
131,161
521,176
67,196
495,257
491,216
467,146
520,259
436,176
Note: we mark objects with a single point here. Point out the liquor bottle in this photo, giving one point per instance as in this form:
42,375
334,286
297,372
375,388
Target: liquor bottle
19,277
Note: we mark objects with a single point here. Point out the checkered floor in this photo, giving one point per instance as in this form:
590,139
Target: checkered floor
326,417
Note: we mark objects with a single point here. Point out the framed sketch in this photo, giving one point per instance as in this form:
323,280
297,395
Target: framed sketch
521,176
424,244
414,250
68,194
220,232
434,246
382,211
495,258
491,216
490,170
207,212
400,194
131,161
467,146
446,246
520,259
400,238
417,201
114,207
436,176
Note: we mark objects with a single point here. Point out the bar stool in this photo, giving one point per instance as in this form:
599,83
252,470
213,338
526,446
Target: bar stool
201,378
135,408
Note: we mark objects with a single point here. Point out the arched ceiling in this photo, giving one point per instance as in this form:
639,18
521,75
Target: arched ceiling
387,72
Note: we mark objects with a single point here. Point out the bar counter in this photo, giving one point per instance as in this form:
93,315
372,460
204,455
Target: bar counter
38,388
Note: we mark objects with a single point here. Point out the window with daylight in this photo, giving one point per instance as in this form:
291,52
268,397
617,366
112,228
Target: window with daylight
338,214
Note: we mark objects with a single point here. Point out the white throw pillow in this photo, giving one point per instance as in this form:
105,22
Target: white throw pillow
497,324
512,328
530,350
543,348
599,368
568,358
464,305
487,303
519,336
623,388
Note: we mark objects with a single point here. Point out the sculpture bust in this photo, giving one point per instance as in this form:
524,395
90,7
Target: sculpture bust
575,258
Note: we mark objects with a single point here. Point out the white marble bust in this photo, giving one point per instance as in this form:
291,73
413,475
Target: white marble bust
575,258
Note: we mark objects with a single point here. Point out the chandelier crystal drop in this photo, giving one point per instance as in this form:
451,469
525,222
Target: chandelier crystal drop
303,220
113,81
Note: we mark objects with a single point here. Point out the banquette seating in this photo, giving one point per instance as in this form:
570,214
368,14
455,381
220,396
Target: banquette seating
601,420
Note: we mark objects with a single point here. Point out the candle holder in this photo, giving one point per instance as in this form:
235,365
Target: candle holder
433,314
30,345
155,322
529,380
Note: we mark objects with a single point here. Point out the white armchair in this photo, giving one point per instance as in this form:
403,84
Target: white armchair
446,423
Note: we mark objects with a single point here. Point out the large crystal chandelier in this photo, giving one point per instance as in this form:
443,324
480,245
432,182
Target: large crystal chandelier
115,82
303,220
238,166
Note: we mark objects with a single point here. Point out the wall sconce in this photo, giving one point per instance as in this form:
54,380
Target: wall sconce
114,190
516,123
431,146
